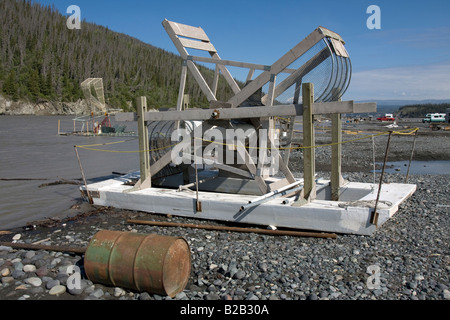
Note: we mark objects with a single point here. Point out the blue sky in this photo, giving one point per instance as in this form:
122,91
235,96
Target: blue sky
408,58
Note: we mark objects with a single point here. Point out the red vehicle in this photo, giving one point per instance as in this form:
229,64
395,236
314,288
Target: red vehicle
385,118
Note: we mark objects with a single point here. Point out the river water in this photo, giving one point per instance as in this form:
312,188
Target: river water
30,148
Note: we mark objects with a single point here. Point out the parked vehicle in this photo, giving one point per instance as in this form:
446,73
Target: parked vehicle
387,117
434,117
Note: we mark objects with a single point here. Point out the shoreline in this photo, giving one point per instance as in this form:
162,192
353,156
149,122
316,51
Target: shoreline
411,249
414,263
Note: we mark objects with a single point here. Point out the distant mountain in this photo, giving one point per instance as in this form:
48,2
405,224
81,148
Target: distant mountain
42,60
400,103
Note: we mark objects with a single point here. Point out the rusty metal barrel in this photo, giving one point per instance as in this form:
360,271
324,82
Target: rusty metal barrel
145,263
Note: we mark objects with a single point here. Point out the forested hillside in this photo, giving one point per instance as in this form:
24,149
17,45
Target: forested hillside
420,110
41,59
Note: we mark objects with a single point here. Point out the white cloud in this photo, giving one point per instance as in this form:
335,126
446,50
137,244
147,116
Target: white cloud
415,83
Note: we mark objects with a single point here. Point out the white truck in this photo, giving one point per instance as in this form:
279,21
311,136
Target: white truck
434,118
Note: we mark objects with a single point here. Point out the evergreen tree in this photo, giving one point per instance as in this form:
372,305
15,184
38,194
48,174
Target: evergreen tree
51,61
34,84
10,85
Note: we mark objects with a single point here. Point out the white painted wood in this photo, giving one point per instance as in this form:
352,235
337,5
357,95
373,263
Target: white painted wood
182,86
330,34
350,216
299,73
198,45
169,27
251,112
277,67
186,30
226,74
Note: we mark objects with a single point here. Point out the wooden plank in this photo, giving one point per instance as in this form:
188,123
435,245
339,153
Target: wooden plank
161,163
186,30
226,113
309,190
239,64
289,110
300,73
182,86
271,93
144,156
231,63
251,72
277,67
169,27
201,81
330,34
198,45
333,107
252,168
336,154
215,80
364,107
231,169
226,74
290,135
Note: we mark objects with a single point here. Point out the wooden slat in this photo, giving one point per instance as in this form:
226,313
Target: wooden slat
309,189
201,81
299,73
364,107
182,86
336,156
187,31
238,64
226,74
161,163
229,62
251,112
198,45
277,67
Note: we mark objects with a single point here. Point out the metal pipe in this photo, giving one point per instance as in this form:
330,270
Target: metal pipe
276,195
410,159
198,203
374,218
27,246
91,201
289,186
187,186
236,229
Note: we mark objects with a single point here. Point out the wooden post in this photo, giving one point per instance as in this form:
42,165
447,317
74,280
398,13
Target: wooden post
375,214
59,126
144,155
215,80
336,153
185,102
91,201
180,102
309,190
273,79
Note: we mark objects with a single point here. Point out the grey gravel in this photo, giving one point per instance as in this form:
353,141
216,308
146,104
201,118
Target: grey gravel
411,250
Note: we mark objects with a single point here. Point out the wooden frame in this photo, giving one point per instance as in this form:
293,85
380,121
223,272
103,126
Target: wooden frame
185,37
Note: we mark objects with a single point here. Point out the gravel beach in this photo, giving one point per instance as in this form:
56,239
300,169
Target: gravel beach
409,255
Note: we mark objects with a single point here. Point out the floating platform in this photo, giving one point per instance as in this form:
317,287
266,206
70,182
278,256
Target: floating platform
351,215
